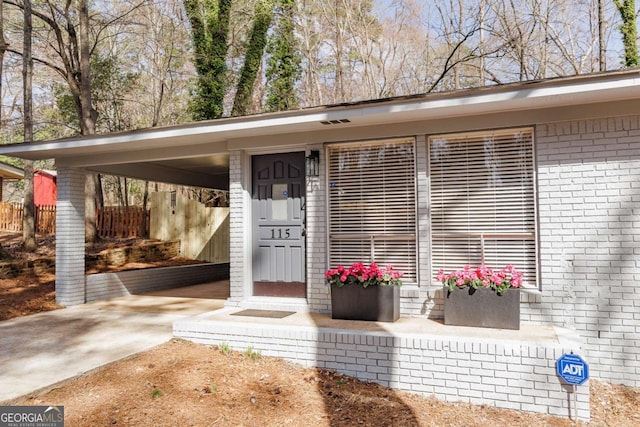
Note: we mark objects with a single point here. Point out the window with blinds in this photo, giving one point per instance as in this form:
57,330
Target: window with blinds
372,205
482,201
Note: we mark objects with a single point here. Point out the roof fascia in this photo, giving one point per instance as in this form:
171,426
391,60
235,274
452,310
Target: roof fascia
10,172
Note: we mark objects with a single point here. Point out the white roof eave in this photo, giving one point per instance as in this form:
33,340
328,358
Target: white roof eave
10,172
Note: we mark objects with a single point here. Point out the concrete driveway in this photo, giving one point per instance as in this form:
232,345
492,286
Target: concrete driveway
41,350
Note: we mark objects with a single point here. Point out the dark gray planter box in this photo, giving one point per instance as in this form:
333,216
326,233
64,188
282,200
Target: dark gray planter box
375,303
482,308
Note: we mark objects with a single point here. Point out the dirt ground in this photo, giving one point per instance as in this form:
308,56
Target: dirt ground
186,384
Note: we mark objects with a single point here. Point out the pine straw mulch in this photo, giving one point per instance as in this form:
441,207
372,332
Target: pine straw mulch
187,384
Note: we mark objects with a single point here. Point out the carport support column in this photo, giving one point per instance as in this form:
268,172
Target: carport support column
240,229
70,276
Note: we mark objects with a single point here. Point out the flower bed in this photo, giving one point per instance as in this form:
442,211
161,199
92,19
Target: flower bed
364,275
482,277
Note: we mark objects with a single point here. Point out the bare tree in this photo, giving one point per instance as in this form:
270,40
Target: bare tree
3,49
73,50
69,24
28,218
602,44
164,79
308,26
88,118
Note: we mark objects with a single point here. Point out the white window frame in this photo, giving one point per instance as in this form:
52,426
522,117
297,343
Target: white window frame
414,280
532,236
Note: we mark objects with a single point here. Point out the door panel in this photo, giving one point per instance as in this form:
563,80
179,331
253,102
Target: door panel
278,225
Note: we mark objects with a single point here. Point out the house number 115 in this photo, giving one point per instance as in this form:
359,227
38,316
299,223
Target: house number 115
279,233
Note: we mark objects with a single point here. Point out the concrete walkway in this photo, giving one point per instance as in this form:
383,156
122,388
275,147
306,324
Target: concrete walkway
41,350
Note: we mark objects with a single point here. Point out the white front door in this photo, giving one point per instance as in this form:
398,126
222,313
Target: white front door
278,203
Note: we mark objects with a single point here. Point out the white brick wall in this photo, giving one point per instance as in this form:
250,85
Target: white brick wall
70,279
511,374
111,285
318,295
239,227
426,303
589,231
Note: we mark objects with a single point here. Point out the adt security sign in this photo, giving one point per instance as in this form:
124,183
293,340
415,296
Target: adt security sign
572,369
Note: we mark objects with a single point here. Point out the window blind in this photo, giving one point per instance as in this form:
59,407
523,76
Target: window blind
372,206
482,201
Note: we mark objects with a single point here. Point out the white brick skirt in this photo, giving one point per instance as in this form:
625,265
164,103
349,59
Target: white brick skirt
111,285
506,369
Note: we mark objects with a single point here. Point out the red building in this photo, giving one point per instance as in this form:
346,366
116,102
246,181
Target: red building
45,188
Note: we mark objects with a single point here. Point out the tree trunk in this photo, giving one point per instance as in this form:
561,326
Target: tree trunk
29,243
99,192
209,30
3,49
145,200
28,218
339,88
253,58
88,114
87,122
90,214
118,191
126,192
627,9
284,62
602,43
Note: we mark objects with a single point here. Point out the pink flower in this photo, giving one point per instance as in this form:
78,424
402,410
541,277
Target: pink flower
482,276
365,274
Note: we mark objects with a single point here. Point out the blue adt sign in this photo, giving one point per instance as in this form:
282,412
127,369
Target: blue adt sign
572,369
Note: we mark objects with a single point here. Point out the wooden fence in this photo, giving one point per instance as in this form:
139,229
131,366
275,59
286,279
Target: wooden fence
116,221
113,221
11,218
202,231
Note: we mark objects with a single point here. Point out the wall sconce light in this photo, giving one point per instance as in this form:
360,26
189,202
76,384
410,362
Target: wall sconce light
313,163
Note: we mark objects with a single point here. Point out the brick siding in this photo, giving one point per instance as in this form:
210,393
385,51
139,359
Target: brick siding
507,374
110,285
589,231
238,223
70,281
317,291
